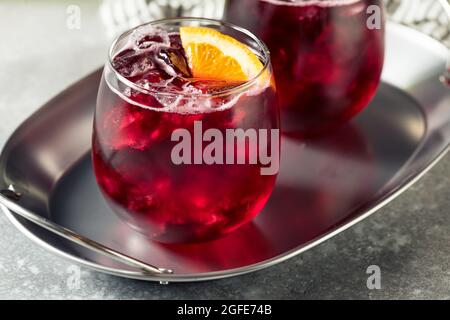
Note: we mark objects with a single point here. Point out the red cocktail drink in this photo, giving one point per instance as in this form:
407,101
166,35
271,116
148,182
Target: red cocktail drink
147,93
327,56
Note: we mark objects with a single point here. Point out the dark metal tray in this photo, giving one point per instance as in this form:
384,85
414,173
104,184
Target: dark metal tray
325,185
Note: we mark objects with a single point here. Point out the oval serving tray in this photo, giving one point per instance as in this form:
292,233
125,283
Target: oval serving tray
325,185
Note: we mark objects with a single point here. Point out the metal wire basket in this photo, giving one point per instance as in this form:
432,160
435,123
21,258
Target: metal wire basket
121,15
431,17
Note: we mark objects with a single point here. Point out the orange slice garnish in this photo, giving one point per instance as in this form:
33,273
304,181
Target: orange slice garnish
216,56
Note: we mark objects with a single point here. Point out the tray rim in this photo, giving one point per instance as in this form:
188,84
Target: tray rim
205,276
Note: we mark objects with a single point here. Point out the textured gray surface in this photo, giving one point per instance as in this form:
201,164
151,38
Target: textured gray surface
409,239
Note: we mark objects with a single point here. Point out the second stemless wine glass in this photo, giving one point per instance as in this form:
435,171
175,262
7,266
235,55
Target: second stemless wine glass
138,113
327,55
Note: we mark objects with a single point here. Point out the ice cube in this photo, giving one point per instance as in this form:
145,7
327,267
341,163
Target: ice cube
145,36
132,63
148,40
175,40
176,59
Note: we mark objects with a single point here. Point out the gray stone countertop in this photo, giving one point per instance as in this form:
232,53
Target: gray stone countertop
409,239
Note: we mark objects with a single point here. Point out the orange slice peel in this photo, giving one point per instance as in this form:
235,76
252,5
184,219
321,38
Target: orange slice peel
213,55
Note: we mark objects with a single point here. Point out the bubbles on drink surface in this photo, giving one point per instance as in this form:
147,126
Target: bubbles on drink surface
156,63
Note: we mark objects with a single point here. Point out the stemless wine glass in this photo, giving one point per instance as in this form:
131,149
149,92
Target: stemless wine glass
143,111
327,55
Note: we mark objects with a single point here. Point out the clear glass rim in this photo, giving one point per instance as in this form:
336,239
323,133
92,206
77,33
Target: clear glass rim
240,88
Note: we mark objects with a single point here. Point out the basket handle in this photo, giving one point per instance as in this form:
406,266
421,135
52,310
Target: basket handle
10,199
